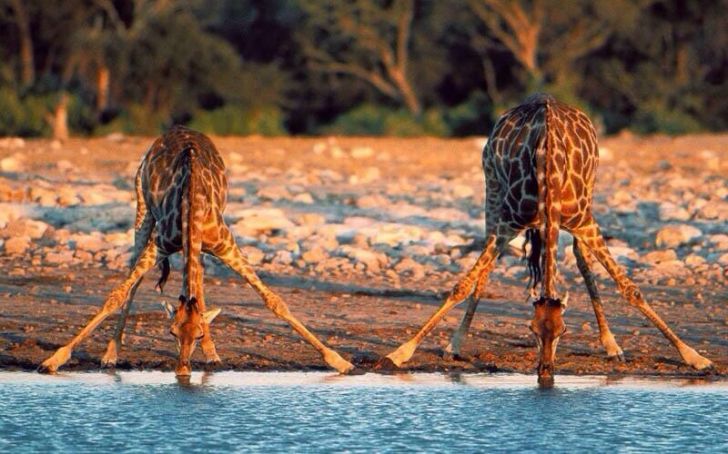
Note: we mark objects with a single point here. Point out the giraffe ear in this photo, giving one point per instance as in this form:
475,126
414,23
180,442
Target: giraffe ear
210,315
565,302
169,309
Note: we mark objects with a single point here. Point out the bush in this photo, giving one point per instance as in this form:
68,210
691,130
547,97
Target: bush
372,120
655,117
475,116
23,117
135,119
238,120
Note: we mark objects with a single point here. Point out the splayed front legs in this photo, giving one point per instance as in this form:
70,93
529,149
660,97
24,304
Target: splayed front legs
605,334
461,291
591,236
113,302
229,253
452,350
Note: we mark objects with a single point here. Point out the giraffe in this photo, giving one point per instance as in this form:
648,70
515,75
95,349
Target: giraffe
181,191
540,163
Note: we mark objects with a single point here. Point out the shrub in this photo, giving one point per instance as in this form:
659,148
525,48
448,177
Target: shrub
372,120
655,117
239,120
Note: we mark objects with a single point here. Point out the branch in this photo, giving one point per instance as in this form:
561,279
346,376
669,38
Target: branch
369,76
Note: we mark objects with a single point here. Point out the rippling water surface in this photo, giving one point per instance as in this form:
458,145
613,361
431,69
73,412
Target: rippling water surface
151,411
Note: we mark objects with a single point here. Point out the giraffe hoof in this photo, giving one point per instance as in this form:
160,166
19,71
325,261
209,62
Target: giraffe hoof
109,363
45,369
386,365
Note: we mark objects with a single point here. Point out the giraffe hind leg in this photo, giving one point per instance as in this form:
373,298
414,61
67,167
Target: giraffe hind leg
605,334
591,236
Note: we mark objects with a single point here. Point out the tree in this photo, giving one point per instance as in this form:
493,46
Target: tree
368,40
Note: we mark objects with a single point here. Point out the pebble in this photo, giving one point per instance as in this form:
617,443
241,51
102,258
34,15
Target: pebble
660,256
676,235
17,245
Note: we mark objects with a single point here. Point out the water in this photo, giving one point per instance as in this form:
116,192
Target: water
294,412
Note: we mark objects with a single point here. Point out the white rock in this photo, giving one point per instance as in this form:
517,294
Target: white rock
64,256
12,142
13,163
672,212
274,193
410,268
462,191
373,260
255,221
17,245
666,255
676,235
283,257
92,242
361,152
24,227
605,154
316,255
304,197
254,255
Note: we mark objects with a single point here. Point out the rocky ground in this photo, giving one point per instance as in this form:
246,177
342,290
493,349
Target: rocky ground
362,237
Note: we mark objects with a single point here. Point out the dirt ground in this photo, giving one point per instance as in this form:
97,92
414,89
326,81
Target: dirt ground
363,238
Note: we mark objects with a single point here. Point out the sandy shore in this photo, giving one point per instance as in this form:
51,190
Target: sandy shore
363,238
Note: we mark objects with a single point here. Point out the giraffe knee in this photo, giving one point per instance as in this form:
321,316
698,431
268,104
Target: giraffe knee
462,290
632,294
276,304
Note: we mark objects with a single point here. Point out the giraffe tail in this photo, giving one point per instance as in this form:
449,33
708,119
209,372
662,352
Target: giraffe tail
192,215
549,202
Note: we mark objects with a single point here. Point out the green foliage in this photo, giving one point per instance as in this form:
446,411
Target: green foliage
655,117
474,116
135,119
373,120
23,116
239,120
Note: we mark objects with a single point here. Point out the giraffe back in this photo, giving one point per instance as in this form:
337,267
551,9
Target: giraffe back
163,172
539,142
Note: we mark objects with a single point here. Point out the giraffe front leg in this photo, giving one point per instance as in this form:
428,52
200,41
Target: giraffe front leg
452,350
112,350
208,346
461,291
229,253
605,334
591,236
113,302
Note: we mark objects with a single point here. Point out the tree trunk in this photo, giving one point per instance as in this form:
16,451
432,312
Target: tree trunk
59,121
27,73
103,79
405,88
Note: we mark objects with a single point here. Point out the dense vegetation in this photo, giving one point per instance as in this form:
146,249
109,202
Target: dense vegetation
401,67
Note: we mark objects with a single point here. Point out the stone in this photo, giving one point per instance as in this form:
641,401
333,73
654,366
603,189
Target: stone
694,260
315,255
303,197
253,255
88,242
410,268
12,142
311,219
660,256
17,245
676,235
58,257
283,257
274,193
672,212
372,201
24,227
372,260
362,152
462,191
255,221
13,163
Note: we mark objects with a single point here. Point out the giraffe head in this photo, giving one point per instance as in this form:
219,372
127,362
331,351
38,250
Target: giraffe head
187,329
548,327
